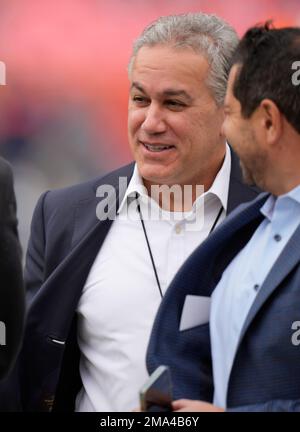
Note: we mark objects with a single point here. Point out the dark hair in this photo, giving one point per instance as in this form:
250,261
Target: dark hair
265,56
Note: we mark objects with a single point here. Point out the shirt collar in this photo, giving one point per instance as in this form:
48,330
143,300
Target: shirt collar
294,194
136,186
219,188
269,206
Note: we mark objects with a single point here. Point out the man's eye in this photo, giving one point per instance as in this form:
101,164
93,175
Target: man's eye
139,99
174,104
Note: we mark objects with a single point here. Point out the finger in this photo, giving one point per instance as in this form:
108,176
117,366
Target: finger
180,403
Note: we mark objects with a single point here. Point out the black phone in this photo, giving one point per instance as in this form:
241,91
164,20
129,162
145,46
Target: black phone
156,393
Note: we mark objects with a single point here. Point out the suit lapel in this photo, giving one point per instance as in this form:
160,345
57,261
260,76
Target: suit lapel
85,220
285,263
67,280
89,212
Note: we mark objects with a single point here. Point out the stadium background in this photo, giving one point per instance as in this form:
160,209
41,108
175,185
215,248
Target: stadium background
63,110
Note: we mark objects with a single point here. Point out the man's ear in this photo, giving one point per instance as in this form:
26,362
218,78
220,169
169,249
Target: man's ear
222,134
271,121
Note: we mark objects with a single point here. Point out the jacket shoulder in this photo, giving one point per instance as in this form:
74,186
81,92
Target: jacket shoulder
86,190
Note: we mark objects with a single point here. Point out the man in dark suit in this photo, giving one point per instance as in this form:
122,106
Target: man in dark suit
96,269
11,293
247,357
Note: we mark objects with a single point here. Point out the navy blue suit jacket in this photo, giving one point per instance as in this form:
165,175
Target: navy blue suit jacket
265,375
65,239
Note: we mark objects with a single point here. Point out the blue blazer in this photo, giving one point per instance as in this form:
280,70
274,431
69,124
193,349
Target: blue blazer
65,239
265,375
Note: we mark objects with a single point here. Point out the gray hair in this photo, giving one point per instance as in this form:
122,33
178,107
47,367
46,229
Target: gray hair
206,34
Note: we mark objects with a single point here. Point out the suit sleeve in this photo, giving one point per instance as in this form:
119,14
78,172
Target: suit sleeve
12,307
10,395
277,405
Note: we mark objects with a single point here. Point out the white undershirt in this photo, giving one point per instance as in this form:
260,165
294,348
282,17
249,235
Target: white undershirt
120,298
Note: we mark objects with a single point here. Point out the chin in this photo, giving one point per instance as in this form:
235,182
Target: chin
156,179
154,174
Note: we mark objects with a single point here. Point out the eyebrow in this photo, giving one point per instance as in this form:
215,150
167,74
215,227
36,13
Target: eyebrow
137,86
167,92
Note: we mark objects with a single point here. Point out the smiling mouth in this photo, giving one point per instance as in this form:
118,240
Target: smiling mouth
157,148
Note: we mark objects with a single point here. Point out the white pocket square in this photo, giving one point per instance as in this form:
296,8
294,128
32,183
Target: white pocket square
195,312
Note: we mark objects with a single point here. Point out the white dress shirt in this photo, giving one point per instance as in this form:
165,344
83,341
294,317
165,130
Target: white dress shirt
120,298
236,291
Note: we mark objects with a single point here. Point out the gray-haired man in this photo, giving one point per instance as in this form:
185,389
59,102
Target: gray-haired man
97,282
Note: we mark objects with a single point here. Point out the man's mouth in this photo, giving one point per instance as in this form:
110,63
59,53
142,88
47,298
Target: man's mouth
157,147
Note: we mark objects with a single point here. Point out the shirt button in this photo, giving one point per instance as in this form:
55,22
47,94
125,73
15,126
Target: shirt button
256,287
277,237
178,229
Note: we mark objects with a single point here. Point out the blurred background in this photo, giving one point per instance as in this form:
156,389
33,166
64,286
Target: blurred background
63,110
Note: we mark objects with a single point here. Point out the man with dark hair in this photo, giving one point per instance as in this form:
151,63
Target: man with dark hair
247,357
11,292
278,51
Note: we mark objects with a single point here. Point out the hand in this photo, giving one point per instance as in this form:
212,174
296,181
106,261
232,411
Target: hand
187,405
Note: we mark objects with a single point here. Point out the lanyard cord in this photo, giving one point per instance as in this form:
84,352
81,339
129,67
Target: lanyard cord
216,220
148,244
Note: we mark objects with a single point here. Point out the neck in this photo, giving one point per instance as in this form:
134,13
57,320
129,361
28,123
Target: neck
283,187
286,174
181,197
282,170
178,198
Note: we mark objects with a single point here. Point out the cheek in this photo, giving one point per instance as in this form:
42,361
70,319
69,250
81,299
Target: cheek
208,122
230,129
135,120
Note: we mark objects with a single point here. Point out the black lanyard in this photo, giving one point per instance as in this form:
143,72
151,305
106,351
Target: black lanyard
148,244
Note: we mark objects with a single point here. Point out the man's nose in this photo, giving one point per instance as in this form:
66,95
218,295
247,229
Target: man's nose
154,121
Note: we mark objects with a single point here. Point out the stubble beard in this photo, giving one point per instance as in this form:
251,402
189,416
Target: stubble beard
247,175
254,172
